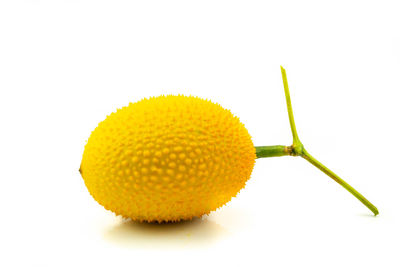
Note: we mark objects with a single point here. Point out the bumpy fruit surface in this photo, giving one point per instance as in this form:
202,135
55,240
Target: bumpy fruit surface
167,158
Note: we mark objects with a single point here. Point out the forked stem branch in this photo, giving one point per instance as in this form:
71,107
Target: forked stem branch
296,139
340,181
297,149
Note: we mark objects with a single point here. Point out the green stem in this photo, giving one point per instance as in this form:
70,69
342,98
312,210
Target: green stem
296,139
340,181
272,151
297,149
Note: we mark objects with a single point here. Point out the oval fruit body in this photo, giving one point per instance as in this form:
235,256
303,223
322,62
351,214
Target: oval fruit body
167,158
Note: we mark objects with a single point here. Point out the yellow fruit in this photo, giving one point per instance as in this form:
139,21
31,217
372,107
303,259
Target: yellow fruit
167,158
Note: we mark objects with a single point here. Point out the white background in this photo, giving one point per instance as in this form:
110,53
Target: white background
65,65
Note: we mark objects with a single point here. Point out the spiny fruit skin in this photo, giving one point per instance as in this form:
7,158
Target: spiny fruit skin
167,158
